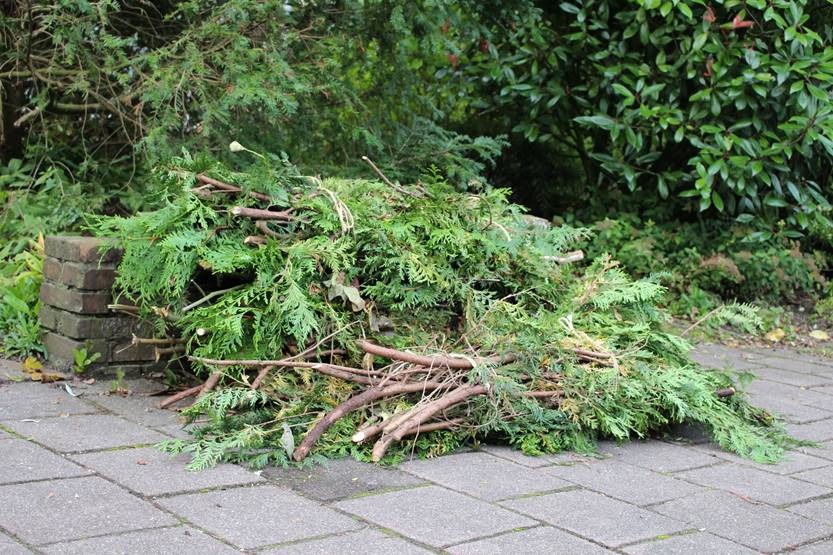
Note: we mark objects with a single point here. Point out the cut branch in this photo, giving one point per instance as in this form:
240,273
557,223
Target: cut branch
352,404
429,361
259,214
180,396
230,188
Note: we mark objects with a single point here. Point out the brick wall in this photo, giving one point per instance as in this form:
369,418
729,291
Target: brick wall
78,277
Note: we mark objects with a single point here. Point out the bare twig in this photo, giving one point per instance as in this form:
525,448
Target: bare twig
430,361
387,181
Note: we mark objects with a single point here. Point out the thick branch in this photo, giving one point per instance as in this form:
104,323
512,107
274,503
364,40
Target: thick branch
352,404
258,214
230,188
429,361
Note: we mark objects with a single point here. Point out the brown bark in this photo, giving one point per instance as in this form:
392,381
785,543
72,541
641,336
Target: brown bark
230,188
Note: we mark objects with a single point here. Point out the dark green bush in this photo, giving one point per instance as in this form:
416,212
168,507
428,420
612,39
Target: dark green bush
706,264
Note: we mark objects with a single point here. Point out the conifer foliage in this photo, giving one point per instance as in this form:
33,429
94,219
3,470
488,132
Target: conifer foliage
368,318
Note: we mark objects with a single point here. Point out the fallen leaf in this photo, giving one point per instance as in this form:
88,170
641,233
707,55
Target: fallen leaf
31,365
776,335
820,335
141,462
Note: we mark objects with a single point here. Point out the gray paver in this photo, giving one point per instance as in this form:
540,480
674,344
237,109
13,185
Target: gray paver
534,541
689,544
366,542
151,472
821,450
791,463
628,483
434,516
10,547
790,410
657,455
517,456
791,378
34,400
766,388
22,461
755,484
755,525
820,476
138,406
820,510
815,431
340,478
179,540
82,433
595,516
484,476
60,510
799,365
257,516
819,548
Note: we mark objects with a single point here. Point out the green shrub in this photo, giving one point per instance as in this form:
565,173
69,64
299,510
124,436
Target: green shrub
20,280
708,264
727,103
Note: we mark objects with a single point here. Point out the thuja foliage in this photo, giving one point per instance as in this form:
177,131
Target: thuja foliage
564,354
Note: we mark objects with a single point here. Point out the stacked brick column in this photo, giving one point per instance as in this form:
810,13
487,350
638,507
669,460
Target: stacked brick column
78,277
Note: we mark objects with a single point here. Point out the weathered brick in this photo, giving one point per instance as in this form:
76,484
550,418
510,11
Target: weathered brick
80,249
81,276
124,351
75,300
83,326
61,349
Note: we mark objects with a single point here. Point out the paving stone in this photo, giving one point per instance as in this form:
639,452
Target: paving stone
83,433
10,547
595,516
484,476
790,411
689,544
819,548
628,483
257,516
179,540
178,431
23,461
79,249
517,456
717,356
11,371
656,455
777,352
799,365
35,400
434,516
533,541
754,484
820,510
139,408
60,510
821,430
797,394
753,525
822,450
366,542
340,478
151,472
791,378
791,463
820,476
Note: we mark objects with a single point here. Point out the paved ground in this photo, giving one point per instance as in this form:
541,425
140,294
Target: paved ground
77,476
